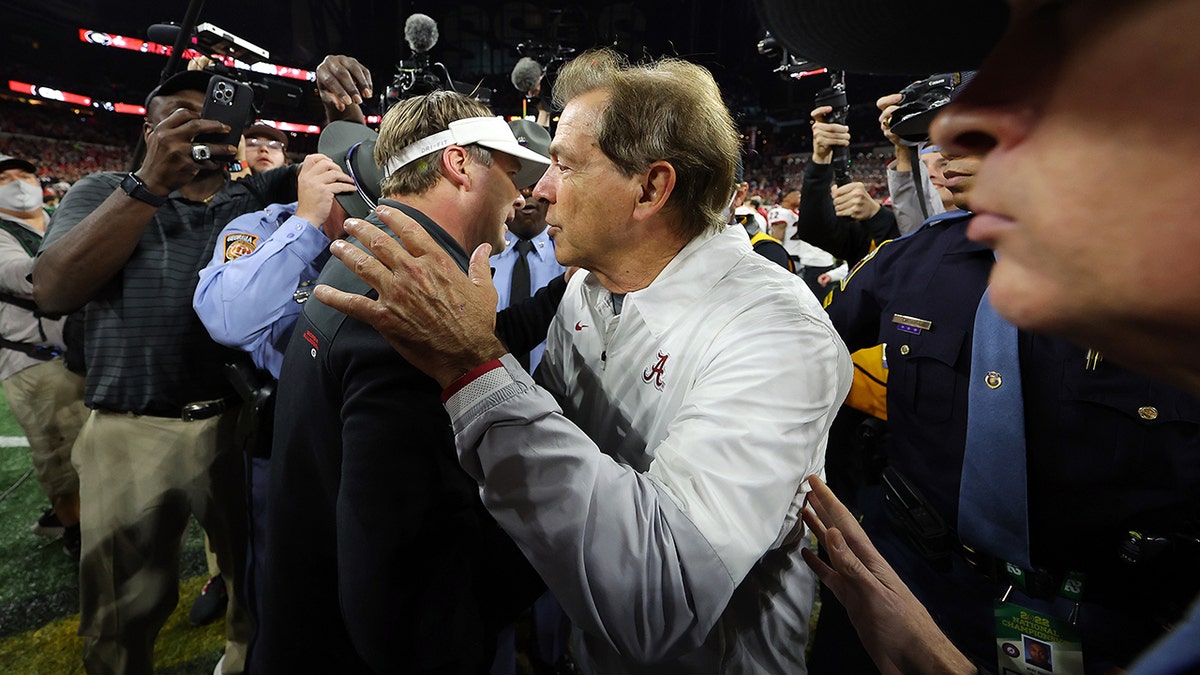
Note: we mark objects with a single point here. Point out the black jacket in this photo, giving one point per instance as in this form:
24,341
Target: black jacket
380,556
820,225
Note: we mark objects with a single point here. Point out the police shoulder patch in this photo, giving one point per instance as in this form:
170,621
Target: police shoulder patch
238,244
864,261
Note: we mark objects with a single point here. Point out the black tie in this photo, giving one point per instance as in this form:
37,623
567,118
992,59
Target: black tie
519,290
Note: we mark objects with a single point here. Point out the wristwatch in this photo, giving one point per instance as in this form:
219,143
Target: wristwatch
134,187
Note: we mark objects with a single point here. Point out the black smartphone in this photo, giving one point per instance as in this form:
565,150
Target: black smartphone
227,101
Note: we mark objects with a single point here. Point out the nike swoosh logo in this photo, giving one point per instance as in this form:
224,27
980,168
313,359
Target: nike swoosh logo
580,326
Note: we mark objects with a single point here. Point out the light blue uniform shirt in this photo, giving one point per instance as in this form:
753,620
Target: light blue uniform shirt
543,268
247,297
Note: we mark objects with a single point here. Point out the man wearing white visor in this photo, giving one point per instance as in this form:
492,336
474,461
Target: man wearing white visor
380,555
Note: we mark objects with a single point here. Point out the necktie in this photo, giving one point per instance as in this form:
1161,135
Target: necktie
993,502
519,288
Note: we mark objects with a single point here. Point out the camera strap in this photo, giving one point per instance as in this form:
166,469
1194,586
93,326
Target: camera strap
918,179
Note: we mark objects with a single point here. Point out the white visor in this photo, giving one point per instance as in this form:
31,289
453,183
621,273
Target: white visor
492,133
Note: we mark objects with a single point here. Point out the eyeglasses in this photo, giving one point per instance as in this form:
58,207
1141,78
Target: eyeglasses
263,143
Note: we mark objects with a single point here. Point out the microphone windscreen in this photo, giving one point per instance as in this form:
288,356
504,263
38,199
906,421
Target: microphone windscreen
526,74
421,33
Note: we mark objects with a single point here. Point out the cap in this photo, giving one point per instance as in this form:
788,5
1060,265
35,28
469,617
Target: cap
352,147
186,80
862,35
490,132
260,130
532,135
781,214
7,162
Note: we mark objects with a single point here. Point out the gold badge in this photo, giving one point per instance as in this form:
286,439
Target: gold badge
993,380
239,244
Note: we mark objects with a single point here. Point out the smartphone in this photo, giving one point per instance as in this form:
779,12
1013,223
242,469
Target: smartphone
227,101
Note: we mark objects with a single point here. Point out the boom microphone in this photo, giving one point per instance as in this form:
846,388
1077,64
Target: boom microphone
526,74
421,33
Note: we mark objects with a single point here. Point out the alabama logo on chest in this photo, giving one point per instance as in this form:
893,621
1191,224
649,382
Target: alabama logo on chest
654,373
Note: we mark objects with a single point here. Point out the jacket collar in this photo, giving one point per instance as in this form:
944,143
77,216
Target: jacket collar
688,278
443,238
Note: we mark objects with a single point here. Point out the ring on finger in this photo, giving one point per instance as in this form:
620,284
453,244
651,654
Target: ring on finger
201,152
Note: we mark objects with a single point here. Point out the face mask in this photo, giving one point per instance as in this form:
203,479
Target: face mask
20,197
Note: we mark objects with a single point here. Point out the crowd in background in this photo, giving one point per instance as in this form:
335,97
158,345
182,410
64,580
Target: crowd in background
70,145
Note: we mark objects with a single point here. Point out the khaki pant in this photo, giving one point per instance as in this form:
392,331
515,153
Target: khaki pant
47,400
140,477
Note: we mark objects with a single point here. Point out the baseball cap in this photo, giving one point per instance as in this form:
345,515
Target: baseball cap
8,162
352,147
879,36
185,80
781,214
260,130
492,133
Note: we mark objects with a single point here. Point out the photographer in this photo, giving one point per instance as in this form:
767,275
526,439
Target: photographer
844,220
906,202
157,446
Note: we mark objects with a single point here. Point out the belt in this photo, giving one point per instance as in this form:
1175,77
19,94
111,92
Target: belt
202,410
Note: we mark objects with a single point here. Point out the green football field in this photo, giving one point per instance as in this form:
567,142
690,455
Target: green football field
39,587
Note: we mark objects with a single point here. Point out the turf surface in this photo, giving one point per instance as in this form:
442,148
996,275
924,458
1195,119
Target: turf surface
39,587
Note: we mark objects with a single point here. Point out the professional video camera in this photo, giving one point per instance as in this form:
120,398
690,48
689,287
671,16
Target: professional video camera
790,67
921,103
419,75
835,96
793,67
537,69
212,40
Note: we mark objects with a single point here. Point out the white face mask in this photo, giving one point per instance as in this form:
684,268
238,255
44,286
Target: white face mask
20,197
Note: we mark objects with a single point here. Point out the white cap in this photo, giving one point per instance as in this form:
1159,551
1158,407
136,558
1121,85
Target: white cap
492,133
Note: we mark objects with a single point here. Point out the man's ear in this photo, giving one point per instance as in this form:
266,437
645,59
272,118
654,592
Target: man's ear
657,184
454,166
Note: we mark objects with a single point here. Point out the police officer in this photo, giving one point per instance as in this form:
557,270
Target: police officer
1108,452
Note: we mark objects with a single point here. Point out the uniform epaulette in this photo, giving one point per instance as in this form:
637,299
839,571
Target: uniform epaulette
947,218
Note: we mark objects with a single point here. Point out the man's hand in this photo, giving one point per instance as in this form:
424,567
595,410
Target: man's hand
853,200
342,81
438,319
827,136
895,628
169,165
824,279
320,179
888,105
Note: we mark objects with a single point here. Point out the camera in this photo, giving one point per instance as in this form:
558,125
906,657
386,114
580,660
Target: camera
834,96
269,90
921,103
547,56
790,67
420,75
